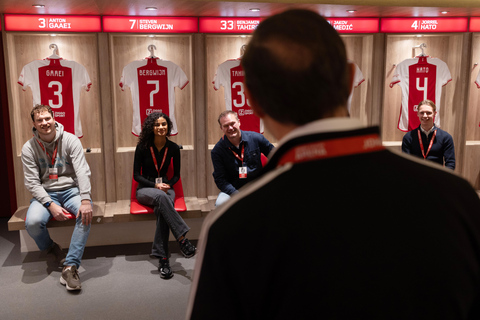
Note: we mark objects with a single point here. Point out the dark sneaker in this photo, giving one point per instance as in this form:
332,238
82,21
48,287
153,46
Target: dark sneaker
70,278
187,248
57,251
164,269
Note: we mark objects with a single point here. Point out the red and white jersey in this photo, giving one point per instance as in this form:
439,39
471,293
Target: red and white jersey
420,78
358,79
57,83
230,76
152,82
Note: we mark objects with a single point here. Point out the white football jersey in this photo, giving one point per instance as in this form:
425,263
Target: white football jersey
358,79
230,76
420,78
57,83
152,82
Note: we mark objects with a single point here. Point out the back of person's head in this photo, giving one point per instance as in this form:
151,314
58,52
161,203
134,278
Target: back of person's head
296,67
39,108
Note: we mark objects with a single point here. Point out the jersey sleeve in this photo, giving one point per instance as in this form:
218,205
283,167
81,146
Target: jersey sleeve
26,76
180,78
125,80
358,77
445,76
477,81
81,75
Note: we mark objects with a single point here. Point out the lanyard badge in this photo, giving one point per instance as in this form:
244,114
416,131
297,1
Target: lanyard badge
158,179
52,171
242,170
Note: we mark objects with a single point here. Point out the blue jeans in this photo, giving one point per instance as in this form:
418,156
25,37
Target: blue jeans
38,216
222,198
167,218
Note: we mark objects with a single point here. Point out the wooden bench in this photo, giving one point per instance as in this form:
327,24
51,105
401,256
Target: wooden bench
113,224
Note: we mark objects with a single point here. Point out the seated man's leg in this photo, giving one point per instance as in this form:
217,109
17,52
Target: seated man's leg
71,201
222,198
36,224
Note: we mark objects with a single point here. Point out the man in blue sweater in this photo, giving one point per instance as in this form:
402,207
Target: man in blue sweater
428,141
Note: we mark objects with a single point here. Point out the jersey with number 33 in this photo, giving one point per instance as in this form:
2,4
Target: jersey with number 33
420,78
230,76
58,84
152,82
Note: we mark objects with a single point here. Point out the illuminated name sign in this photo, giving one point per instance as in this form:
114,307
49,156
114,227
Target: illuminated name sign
150,24
355,25
423,25
474,24
55,23
228,25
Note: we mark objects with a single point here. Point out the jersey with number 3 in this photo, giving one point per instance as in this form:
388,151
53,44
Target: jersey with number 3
420,78
58,84
230,76
152,82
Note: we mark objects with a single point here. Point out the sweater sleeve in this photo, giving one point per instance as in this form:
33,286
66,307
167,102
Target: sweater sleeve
449,152
31,174
80,165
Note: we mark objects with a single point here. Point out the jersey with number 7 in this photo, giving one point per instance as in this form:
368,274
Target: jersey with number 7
58,83
152,82
420,78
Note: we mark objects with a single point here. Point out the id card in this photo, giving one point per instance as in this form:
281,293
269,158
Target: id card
53,173
158,180
242,172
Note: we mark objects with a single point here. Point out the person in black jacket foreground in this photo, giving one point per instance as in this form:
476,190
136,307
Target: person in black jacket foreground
428,141
337,227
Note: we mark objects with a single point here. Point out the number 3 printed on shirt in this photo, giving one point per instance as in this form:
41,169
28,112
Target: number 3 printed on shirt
58,93
241,94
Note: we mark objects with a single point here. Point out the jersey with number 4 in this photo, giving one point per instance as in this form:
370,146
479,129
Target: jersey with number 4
58,84
152,82
230,76
420,78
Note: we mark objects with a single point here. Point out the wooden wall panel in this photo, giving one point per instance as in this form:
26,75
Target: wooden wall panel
23,48
447,47
125,48
128,48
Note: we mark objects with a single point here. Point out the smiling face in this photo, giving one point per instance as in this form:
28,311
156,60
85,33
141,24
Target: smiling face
44,122
160,128
230,126
426,114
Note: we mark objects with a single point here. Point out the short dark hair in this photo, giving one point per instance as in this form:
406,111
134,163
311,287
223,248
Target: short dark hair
146,137
39,108
296,67
225,113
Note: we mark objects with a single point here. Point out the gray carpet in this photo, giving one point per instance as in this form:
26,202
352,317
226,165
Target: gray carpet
118,282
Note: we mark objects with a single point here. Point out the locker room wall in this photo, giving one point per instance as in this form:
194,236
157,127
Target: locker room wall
106,111
23,48
453,49
471,159
125,48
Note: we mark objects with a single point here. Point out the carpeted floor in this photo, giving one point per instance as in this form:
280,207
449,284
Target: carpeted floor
118,282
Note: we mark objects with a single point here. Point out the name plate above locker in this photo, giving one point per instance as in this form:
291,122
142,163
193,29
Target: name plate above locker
423,25
228,25
355,25
56,23
150,24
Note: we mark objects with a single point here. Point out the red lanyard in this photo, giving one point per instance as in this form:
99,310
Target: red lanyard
155,159
54,156
332,148
242,153
429,146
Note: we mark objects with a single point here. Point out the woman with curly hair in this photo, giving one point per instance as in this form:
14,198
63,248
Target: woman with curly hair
153,155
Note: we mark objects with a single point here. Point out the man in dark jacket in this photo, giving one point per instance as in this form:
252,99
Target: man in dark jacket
337,227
